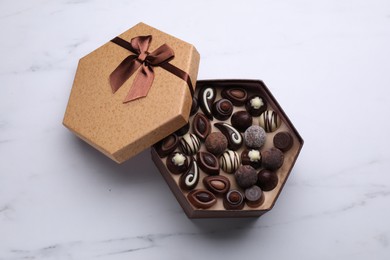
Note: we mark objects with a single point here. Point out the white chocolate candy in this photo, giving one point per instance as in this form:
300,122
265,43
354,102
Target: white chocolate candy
254,155
230,161
256,102
178,159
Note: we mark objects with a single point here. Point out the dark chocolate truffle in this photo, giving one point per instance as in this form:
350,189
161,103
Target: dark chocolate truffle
208,163
254,196
206,99
217,184
269,120
255,137
237,96
201,126
283,141
202,198
246,176
216,143
251,157
177,163
241,120
256,105
272,159
233,200
222,109
167,145
267,180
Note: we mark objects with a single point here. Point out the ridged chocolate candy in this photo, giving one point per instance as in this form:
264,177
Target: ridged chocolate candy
229,161
267,180
241,120
256,105
234,200
232,135
190,178
201,126
272,159
217,184
167,145
202,198
190,144
254,196
208,163
222,109
206,98
270,121
177,163
246,176
283,141
251,157
237,96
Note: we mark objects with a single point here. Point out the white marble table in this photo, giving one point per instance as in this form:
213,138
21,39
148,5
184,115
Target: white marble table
327,63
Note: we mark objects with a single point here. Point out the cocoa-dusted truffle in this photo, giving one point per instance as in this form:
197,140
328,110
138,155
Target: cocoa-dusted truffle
272,159
283,141
246,176
267,180
256,105
177,163
251,157
254,196
216,143
241,120
234,200
222,109
254,136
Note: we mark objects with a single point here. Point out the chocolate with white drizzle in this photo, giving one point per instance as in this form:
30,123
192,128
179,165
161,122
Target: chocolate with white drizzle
206,99
233,136
190,178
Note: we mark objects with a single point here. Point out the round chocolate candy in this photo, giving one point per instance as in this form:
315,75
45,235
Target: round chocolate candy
251,157
194,106
177,163
201,126
202,199
216,143
190,178
206,99
222,109
208,163
256,105
234,137
270,121
233,200
229,161
167,145
183,130
254,196
246,176
237,96
241,120
255,137
217,184
283,141
267,180
190,144
272,159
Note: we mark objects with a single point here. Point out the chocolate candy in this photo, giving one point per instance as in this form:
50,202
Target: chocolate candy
190,144
246,176
177,163
216,143
283,141
229,161
255,137
234,200
222,109
270,121
183,130
256,105
194,106
167,145
206,99
267,180
217,184
202,198
237,96
272,159
201,126
251,157
241,120
190,178
254,197
234,137
208,163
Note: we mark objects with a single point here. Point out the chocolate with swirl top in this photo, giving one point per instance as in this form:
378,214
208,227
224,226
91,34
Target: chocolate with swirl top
237,96
190,178
269,120
234,137
234,199
206,99
222,109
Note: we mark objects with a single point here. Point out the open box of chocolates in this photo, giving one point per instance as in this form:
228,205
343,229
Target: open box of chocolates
235,154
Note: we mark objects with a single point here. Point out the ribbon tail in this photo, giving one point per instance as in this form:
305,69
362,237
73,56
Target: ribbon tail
123,72
142,83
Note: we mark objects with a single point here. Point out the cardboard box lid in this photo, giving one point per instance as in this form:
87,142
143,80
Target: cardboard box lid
99,116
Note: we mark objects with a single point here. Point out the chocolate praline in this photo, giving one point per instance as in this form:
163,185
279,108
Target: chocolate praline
254,196
267,180
208,163
202,198
190,178
254,136
177,163
190,144
222,109
272,159
234,200
206,97
269,120
237,96
229,161
217,184
216,143
251,157
201,126
246,176
256,105
283,141
241,120
167,145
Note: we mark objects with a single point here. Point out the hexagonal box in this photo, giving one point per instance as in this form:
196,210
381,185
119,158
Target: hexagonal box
132,91
234,156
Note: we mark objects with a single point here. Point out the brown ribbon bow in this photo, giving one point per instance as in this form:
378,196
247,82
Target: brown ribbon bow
142,58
